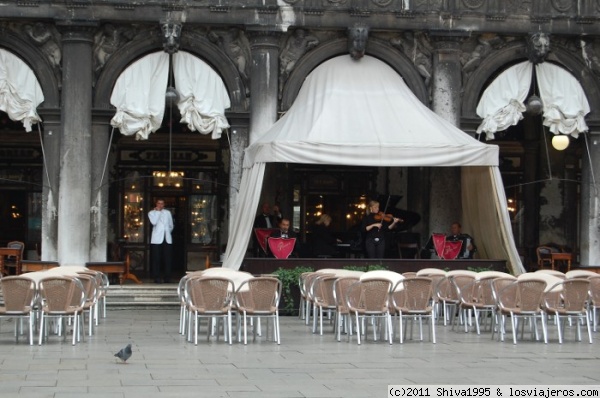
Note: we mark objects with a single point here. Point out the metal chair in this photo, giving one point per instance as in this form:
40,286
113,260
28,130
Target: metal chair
19,297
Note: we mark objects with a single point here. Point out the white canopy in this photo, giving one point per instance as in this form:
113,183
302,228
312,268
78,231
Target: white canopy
20,91
139,95
565,104
362,113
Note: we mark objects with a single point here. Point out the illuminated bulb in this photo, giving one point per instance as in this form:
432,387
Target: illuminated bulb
560,142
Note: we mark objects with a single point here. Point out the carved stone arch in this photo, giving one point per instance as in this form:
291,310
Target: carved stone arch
376,48
38,63
490,66
201,48
515,53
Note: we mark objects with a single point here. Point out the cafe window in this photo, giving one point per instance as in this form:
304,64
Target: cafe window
133,211
203,219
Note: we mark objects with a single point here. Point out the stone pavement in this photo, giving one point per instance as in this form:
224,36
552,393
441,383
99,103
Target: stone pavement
304,365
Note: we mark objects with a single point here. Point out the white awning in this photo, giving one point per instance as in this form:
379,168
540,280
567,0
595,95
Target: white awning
502,103
204,97
20,92
139,96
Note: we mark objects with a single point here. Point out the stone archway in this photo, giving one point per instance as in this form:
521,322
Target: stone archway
376,48
200,47
38,64
560,194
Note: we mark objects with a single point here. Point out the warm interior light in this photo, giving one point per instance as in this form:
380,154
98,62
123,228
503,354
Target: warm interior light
560,142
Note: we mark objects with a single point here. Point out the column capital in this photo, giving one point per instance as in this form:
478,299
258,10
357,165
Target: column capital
447,41
77,31
263,39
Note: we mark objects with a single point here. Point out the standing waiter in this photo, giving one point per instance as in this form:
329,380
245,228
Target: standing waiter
161,242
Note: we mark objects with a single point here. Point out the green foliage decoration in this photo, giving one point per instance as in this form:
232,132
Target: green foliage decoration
289,279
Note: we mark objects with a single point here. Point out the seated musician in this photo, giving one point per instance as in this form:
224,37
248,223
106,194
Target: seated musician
468,247
284,231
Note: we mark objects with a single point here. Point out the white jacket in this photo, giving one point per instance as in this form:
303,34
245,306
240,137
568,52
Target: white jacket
162,225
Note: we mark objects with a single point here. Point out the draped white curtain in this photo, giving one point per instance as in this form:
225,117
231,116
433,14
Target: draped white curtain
204,97
565,103
139,96
20,91
486,216
241,223
502,103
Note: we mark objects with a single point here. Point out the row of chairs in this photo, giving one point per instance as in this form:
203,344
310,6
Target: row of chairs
434,294
371,300
214,296
41,297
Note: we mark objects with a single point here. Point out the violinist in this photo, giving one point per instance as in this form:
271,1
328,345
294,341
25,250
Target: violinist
375,225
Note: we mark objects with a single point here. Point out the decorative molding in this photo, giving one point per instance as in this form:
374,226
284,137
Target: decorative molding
359,12
30,3
406,14
173,7
382,3
473,4
125,6
219,8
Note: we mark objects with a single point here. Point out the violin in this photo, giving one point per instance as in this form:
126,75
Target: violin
381,216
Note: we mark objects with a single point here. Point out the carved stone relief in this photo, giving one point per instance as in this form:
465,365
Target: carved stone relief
236,46
476,50
518,6
538,47
297,44
358,35
590,51
107,41
473,4
418,49
47,38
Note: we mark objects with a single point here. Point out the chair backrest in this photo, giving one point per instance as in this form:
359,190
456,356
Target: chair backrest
530,293
322,290
595,289
575,294
505,292
415,294
208,294
544,255
464,286
340,289
18,293
410,248
60,294
15,244
90,286
369,296
262,295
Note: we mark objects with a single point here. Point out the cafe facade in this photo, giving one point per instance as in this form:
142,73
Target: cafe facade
76,189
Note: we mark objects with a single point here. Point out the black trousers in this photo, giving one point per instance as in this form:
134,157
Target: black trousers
162,258
375,247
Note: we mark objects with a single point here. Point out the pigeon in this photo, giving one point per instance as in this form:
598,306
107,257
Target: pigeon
124,353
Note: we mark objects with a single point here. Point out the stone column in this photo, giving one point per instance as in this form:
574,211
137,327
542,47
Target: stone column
590,203
238,142
101,166
264,77
51,134
76,146
446,204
